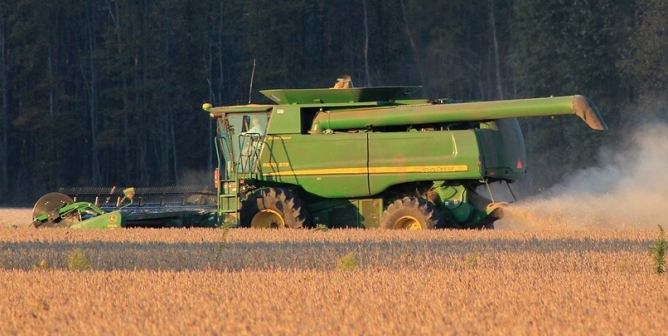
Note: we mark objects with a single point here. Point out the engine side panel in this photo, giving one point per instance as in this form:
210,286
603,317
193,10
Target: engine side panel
327,165
400,157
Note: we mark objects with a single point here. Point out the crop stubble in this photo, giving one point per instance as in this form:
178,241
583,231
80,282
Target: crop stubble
286,282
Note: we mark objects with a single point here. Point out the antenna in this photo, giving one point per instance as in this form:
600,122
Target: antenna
250,89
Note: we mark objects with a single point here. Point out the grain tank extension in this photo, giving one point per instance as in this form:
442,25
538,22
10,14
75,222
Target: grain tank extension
372,157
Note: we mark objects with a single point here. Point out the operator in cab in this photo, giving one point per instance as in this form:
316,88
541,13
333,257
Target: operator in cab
343,82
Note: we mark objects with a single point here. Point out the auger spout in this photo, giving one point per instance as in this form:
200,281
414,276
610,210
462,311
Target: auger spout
431,113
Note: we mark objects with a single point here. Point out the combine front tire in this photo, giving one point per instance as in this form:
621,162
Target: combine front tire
273,208
410,213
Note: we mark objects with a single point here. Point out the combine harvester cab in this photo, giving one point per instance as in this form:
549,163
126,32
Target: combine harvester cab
372,157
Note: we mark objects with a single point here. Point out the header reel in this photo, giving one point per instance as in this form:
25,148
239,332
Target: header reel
59,210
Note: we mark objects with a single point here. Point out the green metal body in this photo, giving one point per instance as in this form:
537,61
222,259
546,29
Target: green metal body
84,215
348,153
109,220
81,215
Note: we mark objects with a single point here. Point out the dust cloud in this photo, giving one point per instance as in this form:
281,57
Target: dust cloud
629,190
196,178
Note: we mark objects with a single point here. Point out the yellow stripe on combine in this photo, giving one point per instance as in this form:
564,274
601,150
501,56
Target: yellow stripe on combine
373,170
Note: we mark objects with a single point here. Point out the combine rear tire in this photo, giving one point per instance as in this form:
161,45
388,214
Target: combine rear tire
410,213
273,208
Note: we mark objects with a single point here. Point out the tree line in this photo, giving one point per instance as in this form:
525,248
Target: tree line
108,92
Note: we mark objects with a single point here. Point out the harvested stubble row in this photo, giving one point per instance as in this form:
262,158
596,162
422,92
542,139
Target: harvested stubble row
247,249
155,282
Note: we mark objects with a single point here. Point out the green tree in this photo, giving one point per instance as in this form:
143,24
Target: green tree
463,47
107,92
644,63
4,108
566,47
40,62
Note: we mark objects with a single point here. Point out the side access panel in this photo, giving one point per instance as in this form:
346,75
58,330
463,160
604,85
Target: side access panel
112,220
326,165
401,157
503,150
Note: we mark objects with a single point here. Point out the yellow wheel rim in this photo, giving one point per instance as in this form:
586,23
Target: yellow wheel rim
267,219
408,223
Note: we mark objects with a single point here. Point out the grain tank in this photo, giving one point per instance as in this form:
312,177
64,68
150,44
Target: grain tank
372,157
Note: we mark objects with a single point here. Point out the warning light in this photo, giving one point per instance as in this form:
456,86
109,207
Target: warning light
519,164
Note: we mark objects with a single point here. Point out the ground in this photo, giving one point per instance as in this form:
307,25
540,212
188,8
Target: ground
550,281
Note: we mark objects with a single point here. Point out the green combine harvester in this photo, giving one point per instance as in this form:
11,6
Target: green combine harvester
353,157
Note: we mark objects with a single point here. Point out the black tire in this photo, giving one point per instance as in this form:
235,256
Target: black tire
270,204
410,213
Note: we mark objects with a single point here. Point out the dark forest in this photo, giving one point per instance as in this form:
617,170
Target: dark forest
109,92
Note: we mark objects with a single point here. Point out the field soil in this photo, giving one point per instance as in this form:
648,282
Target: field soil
15,216
335,282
